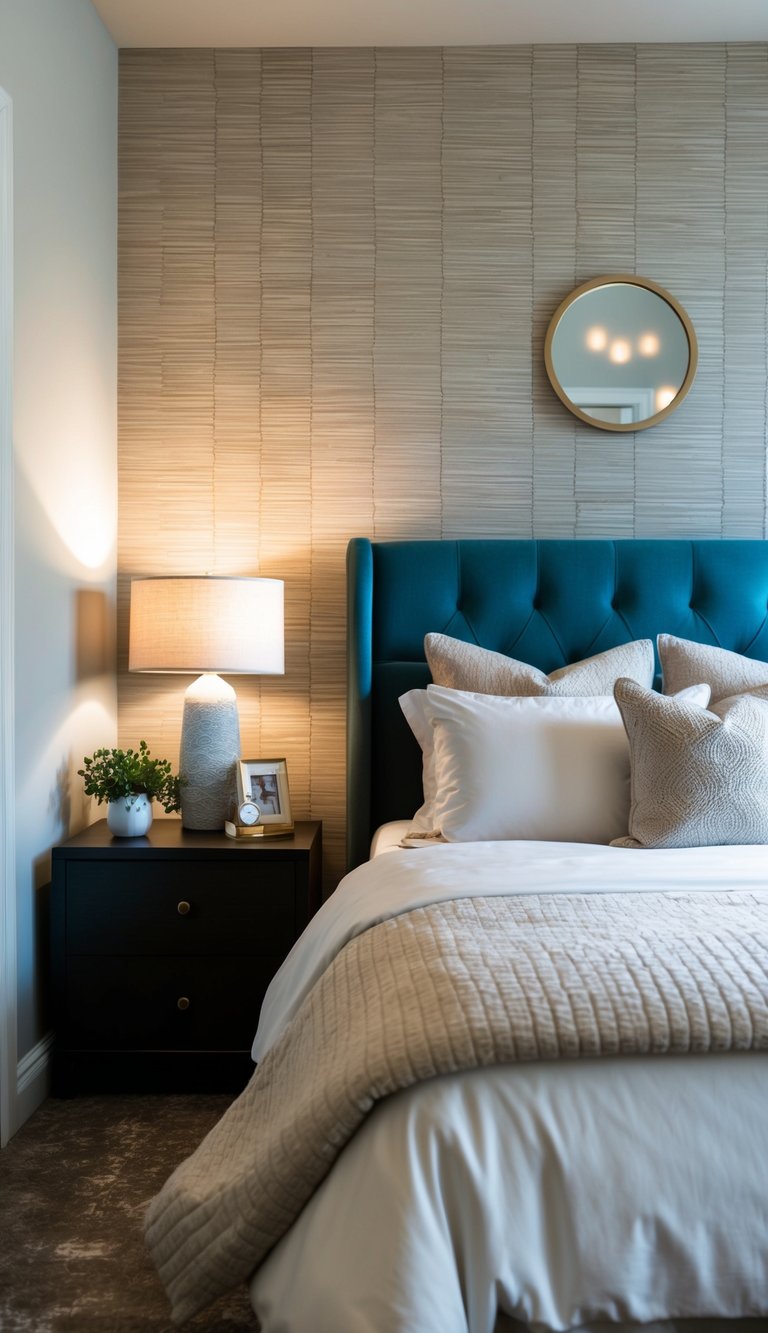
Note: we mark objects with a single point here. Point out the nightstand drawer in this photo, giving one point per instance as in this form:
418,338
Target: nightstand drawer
115,1003
186,908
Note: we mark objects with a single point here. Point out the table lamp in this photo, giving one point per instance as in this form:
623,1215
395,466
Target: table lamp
207,625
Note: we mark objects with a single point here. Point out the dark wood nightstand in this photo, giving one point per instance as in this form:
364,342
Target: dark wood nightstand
162,949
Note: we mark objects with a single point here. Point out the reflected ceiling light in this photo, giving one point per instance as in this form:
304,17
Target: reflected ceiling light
664,396
629,309
596,338
649,344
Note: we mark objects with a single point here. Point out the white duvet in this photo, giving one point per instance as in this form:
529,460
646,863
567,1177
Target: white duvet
563,1195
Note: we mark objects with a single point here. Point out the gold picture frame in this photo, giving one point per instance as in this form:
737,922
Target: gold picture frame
265,783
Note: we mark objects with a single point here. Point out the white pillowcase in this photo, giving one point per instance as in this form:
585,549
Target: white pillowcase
545,768
418,715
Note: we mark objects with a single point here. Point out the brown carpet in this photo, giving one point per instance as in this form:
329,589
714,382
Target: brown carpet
74,1184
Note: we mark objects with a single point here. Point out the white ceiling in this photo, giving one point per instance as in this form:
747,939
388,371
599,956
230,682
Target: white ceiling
428,22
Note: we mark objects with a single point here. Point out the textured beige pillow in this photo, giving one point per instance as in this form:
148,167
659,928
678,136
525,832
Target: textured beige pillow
464,666
686,663
699,777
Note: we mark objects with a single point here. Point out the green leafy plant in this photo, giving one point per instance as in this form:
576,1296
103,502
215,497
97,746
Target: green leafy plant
110,774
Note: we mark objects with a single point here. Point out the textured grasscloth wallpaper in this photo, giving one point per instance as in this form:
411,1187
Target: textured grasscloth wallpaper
336,270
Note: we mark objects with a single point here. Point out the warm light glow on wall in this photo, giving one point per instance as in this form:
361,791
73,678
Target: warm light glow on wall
664,396
66,434
596,339
75,488
84,522
620,351
649,344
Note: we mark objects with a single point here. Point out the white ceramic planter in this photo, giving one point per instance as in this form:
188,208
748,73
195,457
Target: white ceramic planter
130,816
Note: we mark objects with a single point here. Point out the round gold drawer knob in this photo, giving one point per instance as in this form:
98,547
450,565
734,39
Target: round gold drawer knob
182,1002
183,908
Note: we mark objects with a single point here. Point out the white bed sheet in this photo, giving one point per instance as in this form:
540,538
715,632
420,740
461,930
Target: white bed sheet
562,1195
388,837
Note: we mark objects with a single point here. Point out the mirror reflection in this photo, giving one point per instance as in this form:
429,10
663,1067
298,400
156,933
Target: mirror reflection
621,353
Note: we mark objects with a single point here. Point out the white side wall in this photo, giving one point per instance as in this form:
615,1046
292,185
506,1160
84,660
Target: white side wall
59,66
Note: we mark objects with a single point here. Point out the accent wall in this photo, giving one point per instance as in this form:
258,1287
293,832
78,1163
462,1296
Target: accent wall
336,272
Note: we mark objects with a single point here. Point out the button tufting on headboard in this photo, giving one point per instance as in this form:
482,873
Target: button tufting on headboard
547,602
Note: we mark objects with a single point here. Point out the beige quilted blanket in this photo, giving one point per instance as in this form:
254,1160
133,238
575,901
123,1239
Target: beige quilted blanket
453,986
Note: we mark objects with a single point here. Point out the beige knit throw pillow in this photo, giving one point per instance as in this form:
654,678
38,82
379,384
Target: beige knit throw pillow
684,663
464,666
699,777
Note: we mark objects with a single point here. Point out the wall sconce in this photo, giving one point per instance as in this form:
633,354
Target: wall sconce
207,625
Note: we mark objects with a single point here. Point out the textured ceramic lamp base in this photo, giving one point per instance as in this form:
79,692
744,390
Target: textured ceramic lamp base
210,749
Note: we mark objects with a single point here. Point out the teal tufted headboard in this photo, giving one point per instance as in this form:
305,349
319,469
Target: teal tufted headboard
545,602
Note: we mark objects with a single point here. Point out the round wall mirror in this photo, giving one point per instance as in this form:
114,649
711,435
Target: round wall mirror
620,353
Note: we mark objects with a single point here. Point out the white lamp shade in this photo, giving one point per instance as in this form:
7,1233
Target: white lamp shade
233,626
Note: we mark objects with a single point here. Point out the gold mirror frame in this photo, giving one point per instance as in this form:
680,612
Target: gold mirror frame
630,280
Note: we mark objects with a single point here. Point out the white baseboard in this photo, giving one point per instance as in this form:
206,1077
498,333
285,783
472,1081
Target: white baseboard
32,1079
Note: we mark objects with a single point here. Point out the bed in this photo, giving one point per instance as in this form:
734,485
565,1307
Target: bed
522,1166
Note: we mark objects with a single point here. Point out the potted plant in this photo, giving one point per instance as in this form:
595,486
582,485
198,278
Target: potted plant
129,781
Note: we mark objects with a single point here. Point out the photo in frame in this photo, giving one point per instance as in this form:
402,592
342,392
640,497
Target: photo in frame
265,783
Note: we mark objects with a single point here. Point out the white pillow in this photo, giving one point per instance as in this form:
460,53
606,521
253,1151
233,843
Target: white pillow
418,715
549,768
